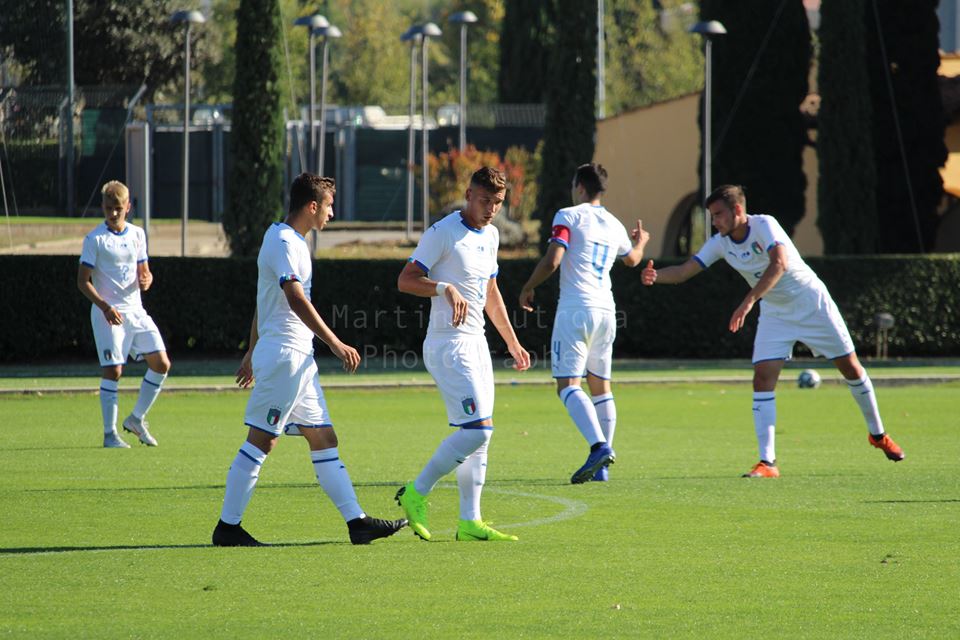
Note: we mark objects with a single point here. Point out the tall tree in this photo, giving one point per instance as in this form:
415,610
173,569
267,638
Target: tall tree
847,207
256,179
902,56
760,78
524,56
569,134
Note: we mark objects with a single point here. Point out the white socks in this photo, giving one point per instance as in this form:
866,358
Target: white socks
583,414
335,481
606,410
862,392
108,404
241,479
453,451
470,478
764,422
149,390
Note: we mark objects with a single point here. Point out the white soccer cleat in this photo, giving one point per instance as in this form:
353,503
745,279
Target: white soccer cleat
139,427
113,441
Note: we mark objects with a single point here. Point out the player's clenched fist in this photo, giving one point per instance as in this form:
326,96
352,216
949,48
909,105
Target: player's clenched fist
649,275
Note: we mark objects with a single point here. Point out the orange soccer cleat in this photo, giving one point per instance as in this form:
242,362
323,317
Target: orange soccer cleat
763,470
886,444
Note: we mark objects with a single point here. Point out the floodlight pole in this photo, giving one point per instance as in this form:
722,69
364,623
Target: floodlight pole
191,18
70,169
330,31
464,19
413,36
429,30
708,30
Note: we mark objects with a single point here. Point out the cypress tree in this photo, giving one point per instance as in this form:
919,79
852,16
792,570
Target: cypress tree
524,38
846,193
910,38
759,136
570,128
257,132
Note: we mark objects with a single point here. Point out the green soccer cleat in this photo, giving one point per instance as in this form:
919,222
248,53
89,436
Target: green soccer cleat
479,531
415,506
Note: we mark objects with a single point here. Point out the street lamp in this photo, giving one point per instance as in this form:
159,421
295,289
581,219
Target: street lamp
312,23
190,18
412,35
708,30
327,32
429,30
464,19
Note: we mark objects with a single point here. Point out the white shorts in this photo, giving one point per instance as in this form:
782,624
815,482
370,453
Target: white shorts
463,371
286,395
136,337
815,321
582,342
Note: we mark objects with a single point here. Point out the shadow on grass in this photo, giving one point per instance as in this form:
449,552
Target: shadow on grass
939,501
11,551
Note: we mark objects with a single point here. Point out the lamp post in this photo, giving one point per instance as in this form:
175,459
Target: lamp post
601,64
312,23
413,36
429,30
708,30
327,32
464,19
190,18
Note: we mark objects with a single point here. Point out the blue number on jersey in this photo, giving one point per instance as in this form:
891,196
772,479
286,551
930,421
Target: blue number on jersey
600,251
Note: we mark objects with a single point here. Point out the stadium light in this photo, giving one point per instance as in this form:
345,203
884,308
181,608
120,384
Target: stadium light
412,35
709,30
327,32
190,18
464,19
429,30
312,23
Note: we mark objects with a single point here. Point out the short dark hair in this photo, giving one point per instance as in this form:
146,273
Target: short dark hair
489,178
730,194
309,187
592,177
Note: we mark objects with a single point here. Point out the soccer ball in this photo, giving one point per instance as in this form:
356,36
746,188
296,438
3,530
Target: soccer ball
808,379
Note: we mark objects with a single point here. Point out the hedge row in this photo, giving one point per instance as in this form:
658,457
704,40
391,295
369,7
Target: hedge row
204,306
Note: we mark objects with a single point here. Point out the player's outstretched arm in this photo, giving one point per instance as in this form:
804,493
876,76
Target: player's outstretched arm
497,312
305,310
770,277
640,239
548,264
670,275
414,281
90,293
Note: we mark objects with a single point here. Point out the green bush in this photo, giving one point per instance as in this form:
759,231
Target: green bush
204,306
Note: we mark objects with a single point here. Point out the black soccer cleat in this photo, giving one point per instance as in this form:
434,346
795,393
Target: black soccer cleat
366,529
233,535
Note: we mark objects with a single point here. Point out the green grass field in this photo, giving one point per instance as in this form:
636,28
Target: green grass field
115,543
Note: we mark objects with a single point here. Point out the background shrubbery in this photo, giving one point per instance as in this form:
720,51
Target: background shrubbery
204,307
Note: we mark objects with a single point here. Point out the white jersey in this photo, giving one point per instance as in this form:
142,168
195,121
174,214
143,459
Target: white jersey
750,257
454,252
594,238
284,256
114,258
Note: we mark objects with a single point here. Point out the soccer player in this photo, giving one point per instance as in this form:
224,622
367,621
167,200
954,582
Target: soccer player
585,242
113,271
287,397
795,306
455,265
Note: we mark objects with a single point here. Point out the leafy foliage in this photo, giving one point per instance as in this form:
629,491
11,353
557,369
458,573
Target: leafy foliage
256,180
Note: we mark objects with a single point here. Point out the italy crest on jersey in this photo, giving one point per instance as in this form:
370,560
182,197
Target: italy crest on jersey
757,249
469,406
273,416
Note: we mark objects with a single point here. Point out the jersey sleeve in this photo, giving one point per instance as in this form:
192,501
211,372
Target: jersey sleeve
432,247
142,248
710,252
88,255
496,249
769,232
283,261
560,233
624,244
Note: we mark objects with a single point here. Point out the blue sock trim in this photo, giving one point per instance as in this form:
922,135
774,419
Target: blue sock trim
250,458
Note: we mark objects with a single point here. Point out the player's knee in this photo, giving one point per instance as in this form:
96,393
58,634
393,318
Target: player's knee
162,364
112,372
563,383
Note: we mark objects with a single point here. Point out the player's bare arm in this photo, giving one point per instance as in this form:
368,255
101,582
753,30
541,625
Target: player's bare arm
307,313
414,281
245,372
144,276
670,275
640,239
549,263
771,275
90,293
497,312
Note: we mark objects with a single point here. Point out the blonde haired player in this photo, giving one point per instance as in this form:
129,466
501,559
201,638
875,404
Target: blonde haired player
455,265
795,306
113,271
